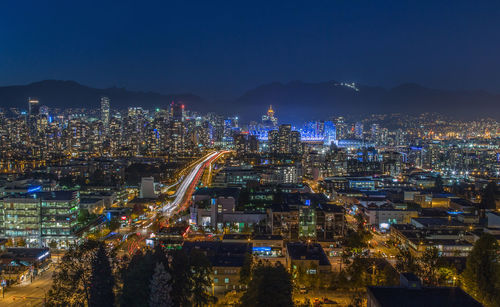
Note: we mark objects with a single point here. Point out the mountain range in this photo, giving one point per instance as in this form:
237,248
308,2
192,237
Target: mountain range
295,101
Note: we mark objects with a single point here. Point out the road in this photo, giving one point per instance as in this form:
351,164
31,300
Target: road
188,184
30,294
33,293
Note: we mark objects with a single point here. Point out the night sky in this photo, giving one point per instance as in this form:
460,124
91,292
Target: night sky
219,49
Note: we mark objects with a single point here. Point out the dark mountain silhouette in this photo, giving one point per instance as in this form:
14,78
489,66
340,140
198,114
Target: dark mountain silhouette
70,94
293,102
299,100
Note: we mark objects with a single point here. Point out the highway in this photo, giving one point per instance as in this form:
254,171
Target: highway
188,183
33,293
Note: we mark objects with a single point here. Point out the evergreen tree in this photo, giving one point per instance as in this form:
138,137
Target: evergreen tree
270,286
481,277
160,288
71,280
136,280
246,269
101,281
180,271
200,270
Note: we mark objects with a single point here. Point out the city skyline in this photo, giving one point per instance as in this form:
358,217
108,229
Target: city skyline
250,154
294,100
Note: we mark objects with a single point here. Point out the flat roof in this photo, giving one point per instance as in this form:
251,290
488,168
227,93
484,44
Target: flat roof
428,297
303,251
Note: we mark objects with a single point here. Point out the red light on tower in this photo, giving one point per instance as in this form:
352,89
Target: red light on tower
182,106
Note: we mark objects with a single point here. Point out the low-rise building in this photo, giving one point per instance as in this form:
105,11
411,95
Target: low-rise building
411,293
310,258
226,259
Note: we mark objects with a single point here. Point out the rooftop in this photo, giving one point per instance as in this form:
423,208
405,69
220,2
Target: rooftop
428,297
302,251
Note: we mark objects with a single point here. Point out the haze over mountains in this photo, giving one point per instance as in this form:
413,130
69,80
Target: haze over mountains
294,102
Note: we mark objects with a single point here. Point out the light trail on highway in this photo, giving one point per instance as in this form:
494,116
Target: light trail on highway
188,182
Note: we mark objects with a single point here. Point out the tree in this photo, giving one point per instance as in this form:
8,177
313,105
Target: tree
136,278
180,271
83,216
481,277
160,288
200,281
53,244
246,269
406,262
356,241
270,286
102,280
71,280
429,265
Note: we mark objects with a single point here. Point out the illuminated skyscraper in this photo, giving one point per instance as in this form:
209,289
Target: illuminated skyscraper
269,120
33,112
284,140
105,113
177,111
358,130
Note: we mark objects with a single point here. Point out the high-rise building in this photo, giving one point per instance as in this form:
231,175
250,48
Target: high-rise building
330,134
295,142
105,113
177,111
284,140
33,113
358,130
253,144
241,143
284,134
268,120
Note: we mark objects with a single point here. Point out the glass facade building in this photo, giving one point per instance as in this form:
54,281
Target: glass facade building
40,218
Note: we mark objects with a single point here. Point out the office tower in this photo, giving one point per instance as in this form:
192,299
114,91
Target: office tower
41,217
340,128
330,134
253,144
284,140
241,143
33,113
44,110
105,114
358,130
375,132
175,137
268,120
34,106
273,141
295,143
177,111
